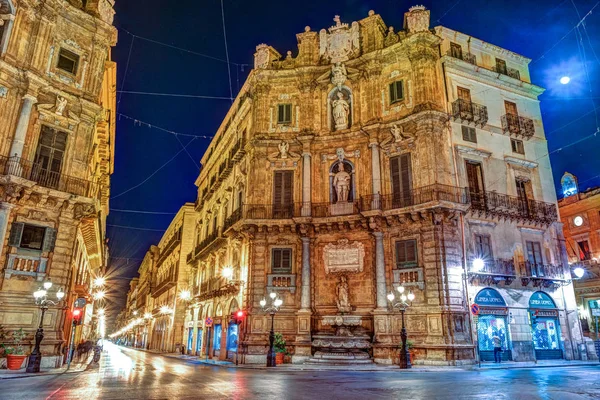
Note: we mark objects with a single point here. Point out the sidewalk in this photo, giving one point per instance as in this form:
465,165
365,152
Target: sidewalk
75,367
539,364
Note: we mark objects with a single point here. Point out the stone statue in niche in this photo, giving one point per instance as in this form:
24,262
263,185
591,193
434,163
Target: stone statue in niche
341,182
284,148
338,74
399,134
61,104
343,302
341,111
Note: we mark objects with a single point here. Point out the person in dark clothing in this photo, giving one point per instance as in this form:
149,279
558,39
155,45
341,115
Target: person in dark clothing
497,349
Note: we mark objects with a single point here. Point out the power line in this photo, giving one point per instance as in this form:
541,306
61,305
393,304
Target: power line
143,212
226,51
185,50
135,228
148,125
447,11
173,95
126,70
154,173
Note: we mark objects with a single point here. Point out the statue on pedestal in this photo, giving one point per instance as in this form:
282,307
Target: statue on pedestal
341,111
343,302
341,182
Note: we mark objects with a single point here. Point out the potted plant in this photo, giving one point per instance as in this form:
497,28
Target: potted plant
15,354
410,346
280,349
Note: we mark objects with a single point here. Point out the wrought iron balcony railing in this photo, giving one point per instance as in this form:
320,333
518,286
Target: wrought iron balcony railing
512,207
270,211
54,180
232,219
463,110
461,55
516,125
513,73
538,270
495,267
414,197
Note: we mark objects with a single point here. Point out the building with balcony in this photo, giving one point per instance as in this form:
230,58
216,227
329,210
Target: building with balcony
168,281
374,158
580,215
57,131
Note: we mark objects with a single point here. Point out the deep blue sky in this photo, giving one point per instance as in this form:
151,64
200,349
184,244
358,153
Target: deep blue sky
532,28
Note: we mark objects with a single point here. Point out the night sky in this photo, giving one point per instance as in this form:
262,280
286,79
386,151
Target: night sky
547,31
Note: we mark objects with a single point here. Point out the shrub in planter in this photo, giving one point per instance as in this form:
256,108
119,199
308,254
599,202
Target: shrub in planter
15,354
280,350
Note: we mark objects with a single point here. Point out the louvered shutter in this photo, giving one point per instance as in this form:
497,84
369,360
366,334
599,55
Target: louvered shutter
283,194
286,261
49,240
16,231
276,260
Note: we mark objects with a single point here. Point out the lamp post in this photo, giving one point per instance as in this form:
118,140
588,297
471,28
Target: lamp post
41,299
271,309
402,305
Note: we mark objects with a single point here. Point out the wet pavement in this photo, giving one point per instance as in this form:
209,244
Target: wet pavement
132,374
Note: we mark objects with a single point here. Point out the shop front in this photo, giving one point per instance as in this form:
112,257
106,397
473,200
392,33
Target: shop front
492,321
545,327
190,339
199,340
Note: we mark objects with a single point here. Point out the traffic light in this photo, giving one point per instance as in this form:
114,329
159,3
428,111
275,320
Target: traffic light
77,314
238,316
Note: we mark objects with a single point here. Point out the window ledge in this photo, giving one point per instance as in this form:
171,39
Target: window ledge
409,277
281,282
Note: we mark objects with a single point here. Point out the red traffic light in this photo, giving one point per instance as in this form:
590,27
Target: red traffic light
77,313
240,314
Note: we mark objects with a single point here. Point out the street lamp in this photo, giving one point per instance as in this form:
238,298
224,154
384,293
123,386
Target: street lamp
271,309
41,299
99,281
402,305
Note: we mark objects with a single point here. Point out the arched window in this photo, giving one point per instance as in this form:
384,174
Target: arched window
7,16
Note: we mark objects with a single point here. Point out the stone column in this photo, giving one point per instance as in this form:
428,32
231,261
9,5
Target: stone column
305,300
380,271
4,216
306,187
375,176
18,142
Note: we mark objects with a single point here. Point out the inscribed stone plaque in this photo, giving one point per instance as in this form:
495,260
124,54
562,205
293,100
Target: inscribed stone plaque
343,257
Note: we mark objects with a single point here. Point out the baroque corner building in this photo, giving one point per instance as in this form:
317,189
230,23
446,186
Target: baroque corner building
57,130
375,158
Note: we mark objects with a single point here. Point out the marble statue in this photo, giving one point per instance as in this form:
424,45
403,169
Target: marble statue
61,104
284,148
341,111
341,182
338,74
343,302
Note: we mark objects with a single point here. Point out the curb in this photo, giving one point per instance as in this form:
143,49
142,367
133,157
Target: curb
58,371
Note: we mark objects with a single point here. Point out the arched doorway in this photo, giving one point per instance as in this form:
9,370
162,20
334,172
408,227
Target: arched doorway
545,327
492,321
232,331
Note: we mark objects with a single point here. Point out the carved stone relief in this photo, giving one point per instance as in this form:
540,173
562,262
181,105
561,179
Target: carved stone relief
344,257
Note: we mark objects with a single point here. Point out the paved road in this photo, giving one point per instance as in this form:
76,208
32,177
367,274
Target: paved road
130,374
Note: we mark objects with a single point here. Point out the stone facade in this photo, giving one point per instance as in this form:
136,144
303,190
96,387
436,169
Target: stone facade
580,215
375,158
57,131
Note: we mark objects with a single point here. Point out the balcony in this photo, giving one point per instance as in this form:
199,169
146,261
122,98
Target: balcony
467,57
515,125
513,73
21,168
270,211
281,282
216,287
514,208
237,151
542,275
409,277
165,283
22,265
324,210
232,219
466,111
207,244
493,272
414,197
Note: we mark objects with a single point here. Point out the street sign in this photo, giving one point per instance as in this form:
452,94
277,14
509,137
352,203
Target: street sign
596,312
208,321
475,309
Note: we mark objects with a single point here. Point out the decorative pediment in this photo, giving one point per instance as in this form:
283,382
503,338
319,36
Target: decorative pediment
283,153
472,151
59,114
341,43
340,154
519,162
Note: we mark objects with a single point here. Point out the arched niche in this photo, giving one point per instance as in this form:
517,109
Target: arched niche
7,16
342,174
340,102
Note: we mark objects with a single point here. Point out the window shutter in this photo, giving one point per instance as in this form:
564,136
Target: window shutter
276,260
395,172
469,134
392,93
49,240
406,253
16,231
411,251
288,191
286,261
278,188
405,174
399,91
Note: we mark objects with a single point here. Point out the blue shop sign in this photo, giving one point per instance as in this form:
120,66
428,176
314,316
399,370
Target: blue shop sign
541,300
489,298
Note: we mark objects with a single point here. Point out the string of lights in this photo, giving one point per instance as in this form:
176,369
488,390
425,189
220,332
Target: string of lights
139,122
193,96
143,212
226,51
135,228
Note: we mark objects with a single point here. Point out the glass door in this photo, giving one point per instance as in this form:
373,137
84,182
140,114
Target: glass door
546,339
198,341
489,326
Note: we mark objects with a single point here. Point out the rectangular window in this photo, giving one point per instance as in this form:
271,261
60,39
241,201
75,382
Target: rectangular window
517,146
401,174
406,253
469,134
476,184
32,237
281,261
49,157
396,92
464,94
456,50
68,61
501,66
534,253
510,107
584,250
283,194
483,247
284,114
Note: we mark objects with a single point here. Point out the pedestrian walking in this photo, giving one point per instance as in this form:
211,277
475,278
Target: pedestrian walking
497,349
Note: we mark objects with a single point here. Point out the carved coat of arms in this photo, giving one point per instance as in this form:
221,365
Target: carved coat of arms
341,43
